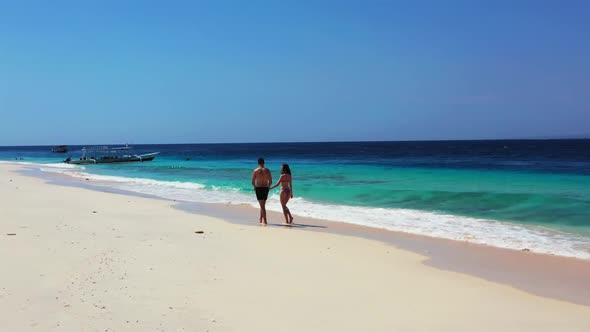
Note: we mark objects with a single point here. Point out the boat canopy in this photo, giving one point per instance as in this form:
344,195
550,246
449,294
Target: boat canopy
106,148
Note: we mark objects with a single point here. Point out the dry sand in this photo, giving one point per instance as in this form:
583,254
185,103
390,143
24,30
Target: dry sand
82,260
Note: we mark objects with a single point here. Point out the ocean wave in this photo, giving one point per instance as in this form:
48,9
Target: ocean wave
139,182
42,166
64,166
16,162
460,228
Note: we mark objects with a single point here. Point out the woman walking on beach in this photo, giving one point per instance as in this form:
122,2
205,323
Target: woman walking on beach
286,183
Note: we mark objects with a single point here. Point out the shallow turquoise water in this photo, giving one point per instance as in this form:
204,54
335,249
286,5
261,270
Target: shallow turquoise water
386,184
561,201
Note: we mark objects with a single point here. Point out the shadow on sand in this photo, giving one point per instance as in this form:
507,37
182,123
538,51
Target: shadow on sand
294,225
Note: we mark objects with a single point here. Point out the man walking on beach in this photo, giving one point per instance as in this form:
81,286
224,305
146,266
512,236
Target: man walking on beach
261,181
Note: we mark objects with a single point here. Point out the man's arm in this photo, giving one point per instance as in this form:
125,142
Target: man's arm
254,179
269,178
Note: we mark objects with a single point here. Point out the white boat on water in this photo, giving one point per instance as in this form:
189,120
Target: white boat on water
107,155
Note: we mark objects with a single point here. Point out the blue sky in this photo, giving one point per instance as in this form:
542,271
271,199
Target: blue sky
90,72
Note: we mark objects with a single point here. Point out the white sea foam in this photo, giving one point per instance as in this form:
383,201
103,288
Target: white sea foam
17,162
125,182
481,231
64,166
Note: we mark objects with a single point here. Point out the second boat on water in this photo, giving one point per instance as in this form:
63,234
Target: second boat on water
106,155
60,149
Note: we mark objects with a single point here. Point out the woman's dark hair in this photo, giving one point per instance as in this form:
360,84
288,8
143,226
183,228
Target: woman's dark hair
286,169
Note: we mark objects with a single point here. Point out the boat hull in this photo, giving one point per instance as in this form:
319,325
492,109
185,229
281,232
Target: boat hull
112,160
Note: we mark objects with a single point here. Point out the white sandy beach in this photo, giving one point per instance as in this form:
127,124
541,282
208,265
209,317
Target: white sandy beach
83,260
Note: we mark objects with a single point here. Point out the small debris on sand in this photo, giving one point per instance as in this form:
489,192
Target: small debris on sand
526,249
94,212
199,232
10,234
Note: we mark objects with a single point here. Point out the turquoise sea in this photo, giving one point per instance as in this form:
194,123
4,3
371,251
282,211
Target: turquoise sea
531,194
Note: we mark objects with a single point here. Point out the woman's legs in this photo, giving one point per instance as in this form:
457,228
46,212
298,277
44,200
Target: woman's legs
284,199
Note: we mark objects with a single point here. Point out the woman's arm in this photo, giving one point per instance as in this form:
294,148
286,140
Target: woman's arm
277,184
291,186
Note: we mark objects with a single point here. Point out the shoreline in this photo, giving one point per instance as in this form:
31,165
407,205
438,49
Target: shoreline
550,237
551,276
77,259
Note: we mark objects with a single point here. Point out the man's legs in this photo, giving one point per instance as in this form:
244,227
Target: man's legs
262,211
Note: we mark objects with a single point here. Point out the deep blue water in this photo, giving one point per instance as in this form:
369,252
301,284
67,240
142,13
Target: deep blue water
563,156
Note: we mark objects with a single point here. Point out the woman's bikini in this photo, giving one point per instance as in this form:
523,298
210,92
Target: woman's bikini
285,188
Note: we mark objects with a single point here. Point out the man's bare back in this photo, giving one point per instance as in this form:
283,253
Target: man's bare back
261,177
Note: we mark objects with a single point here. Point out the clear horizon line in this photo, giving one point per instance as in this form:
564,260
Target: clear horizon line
304,142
